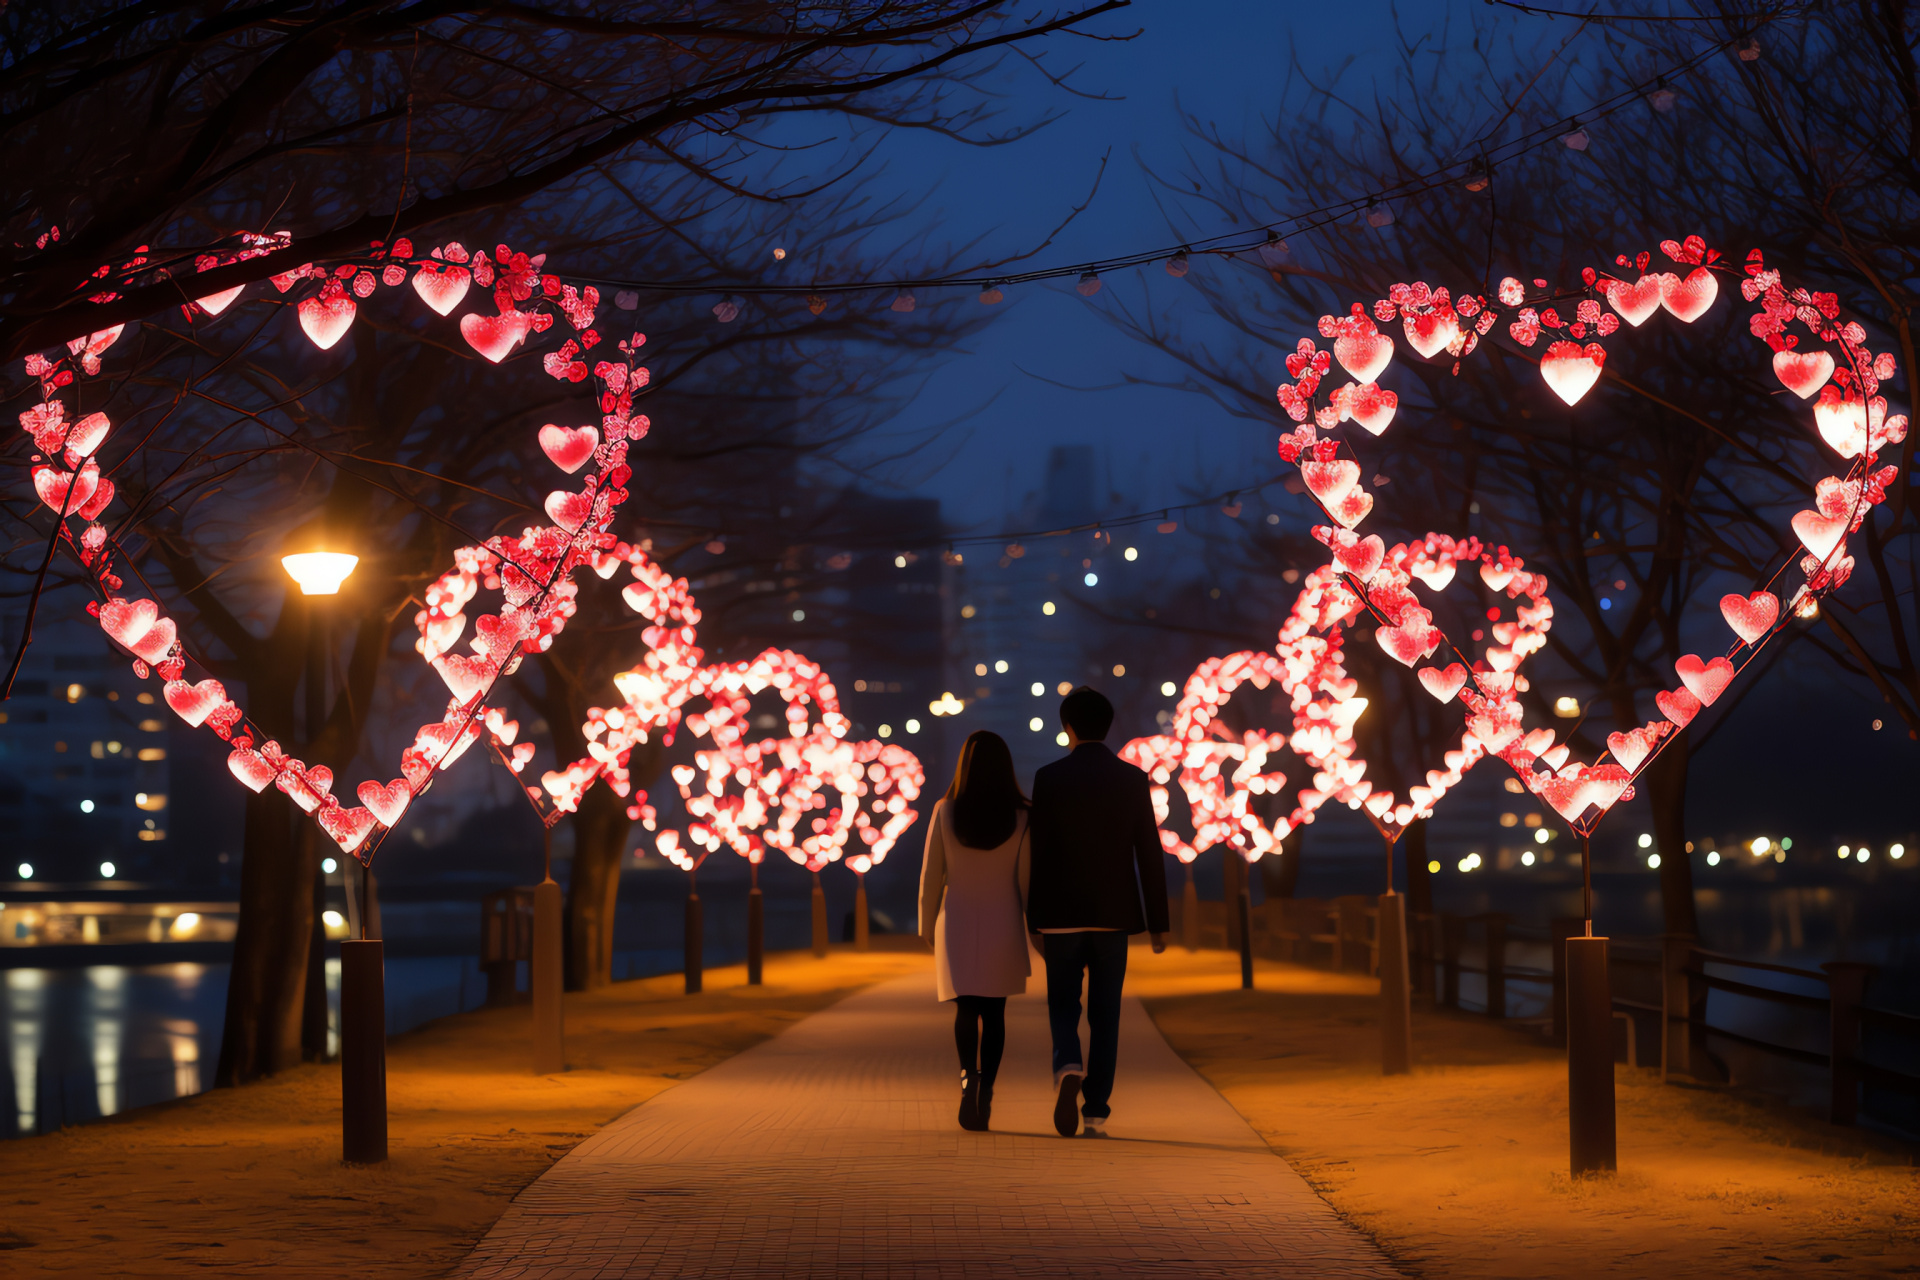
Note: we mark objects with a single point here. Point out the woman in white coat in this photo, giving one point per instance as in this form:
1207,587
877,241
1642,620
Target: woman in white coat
973,901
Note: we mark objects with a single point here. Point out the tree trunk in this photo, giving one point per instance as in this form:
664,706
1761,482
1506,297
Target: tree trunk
1280,870
1419,879
1666,780
599,839
267,987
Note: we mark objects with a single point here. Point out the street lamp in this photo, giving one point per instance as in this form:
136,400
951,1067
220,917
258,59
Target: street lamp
319,573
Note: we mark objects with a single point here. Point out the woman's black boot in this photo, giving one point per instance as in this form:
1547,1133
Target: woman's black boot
986,1102
970,1100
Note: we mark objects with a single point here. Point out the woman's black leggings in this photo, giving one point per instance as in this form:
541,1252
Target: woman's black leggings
980,1032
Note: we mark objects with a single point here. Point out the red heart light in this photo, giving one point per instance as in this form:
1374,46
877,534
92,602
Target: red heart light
128,620
1364,355
442,288
66,491
1636,301
1750,616
1414,637
327,317
1803,372
1571,370
1372,407
388,803
1359,556
1330,481
85,437
214,303
570,448
1430,333
1704,680
1677,705
569,510
252,768
1819,534
1444,685
156,643
495,336
194,702
1841,420
1632,747
348,827
1352,508
1689,298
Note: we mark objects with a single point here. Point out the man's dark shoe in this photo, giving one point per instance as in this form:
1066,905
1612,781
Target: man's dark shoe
1066,1108
970,1101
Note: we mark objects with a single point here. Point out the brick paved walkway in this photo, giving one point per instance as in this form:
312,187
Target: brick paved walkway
832,1151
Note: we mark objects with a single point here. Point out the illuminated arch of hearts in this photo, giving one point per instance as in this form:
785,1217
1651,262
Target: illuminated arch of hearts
1836,370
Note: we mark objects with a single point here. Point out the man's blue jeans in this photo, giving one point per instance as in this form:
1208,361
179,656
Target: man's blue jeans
1102,957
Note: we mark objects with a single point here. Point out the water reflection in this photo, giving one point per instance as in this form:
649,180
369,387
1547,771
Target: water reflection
26,1008
107,1008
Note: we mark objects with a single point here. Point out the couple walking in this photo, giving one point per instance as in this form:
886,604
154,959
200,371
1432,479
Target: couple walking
1076,870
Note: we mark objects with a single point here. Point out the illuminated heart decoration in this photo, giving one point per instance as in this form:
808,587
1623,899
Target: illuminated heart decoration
1364,355
1632,747
65,492
1803,373
468,678
1689,298
1577,788
495,336
348,827
309,788
327,317
155,643
1750,616
1372,407
1841,420
1444,685
1819,534
569,510
388,803
252,768
1415,637
1429,333
1571,370
570,448
128,620
85,437
1677,705
1636,301
1359,556
1330,481
214,303
1704,680
443,289
194,702
1352,508
102,495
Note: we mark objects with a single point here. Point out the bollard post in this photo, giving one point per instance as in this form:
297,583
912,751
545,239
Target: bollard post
1496,928
819,917
1846,990
1450,960
862,922
1561,928
1590,1114
363,1052
695,954
1244,909
1396,1006
546,974
1190,913
756,935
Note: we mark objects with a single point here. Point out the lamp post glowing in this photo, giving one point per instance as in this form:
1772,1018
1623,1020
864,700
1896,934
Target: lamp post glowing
319,573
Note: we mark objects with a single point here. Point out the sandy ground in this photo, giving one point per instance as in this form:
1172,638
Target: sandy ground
249,1181
1459,1170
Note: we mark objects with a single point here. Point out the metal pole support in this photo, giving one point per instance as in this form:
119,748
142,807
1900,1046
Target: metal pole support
1590,1117
363,1052
695,956
1190,913
1396,997
819,917
1244,908
546,977
756,936
862,923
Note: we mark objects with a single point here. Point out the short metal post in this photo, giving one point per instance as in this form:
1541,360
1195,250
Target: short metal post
695,955
1496,927
1244,909
546,979
1450,960
1590,1114
1562,928
1847,990
363,1052
819,917
862,922
756,935
1396,1008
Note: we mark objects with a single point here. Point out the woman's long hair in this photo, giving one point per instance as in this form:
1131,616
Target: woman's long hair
985,795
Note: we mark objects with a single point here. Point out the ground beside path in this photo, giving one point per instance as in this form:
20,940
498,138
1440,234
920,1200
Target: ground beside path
249,1181
833,1151
1459,1170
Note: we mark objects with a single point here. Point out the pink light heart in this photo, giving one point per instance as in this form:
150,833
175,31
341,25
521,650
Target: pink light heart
1803,372
1819,534
1413,639
1704,680
326,318
1330,481
569,510
387,802
1632,747
1365,356
194,702
1496,576
1750,616
442,289
1838,499
1841,420
308,788
495,336
127,620
444,743
348,827
252,768
1352,507
1636,301
214,303
85,436
1677,705
102,495
1360,557
468,678
65,492
1689,299
570,448
1373,408
1430,333
156,642
1565,792
1571,370
1444,685
495,636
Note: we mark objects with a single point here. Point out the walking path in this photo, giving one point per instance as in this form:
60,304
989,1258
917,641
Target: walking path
832,1151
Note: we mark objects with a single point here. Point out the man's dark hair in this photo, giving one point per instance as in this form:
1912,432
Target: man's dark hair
1088,713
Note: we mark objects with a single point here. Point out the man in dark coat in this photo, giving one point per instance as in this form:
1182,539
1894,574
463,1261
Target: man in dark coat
1097,876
